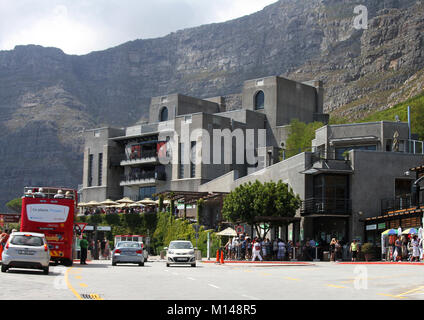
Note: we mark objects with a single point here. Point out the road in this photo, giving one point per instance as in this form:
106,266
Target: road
99,280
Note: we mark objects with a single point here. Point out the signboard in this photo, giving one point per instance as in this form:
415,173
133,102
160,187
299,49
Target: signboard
49,213
382,226
89,228
371,227
81,226
9,218
239,229
104,228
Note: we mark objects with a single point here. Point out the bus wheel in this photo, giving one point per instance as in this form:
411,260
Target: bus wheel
68,263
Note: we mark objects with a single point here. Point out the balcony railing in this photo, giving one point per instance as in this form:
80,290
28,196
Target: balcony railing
135,158
399,203
140,177
326,206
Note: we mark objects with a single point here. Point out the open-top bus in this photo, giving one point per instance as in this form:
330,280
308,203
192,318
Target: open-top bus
54,216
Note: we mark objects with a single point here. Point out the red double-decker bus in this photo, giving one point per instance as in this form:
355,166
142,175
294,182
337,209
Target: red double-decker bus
49,211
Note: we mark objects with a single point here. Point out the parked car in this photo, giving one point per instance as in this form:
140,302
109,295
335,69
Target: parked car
27,250
128,252
180,252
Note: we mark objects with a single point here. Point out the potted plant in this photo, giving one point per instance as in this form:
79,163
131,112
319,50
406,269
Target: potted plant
368,250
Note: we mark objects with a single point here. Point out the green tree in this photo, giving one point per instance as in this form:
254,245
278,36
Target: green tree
300,137
15,205
248,202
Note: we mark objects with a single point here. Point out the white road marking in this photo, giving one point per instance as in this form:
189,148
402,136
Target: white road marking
190,278
213,286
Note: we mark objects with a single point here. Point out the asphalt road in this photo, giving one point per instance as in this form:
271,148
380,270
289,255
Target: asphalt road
99,280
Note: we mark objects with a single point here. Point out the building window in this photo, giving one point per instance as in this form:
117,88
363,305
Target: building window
100,168
193,159
340,151
259,100
181,161
90,170
147,192
163,114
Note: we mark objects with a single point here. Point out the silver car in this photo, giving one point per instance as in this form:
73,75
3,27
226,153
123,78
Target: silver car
128,252
27,250
180,252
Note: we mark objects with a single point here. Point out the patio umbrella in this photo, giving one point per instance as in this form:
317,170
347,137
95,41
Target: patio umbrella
125,200
121,205
230,232
82,204
147,201
399,231
92,203
420,233
135,204
410,231
389,232
108,202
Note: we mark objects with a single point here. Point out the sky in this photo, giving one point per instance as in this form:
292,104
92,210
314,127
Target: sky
82,26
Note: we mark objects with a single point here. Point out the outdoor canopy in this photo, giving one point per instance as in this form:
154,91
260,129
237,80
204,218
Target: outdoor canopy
108,202
410,231
227,232
125,200
389,232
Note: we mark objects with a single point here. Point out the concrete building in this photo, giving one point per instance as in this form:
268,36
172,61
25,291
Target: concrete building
179,126
341,182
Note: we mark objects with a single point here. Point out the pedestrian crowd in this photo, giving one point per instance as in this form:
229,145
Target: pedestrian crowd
242,247
406,248
99,250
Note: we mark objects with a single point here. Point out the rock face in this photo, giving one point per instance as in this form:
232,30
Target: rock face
47,98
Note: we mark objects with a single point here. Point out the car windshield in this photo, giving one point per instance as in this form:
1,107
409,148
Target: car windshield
27,240
128,245
180,245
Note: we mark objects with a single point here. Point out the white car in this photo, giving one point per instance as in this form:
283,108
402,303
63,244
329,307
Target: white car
26,250
180,252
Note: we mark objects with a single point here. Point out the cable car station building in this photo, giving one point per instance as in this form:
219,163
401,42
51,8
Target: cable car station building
341,181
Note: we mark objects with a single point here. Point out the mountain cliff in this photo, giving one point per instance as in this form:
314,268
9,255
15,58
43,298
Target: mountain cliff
47,98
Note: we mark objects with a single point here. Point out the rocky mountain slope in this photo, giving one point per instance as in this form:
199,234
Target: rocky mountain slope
47,98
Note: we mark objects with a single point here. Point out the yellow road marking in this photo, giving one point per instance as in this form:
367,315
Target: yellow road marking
70,286
390,295
95,296
376,278
294,279
410,291
78,277
266,274
83,285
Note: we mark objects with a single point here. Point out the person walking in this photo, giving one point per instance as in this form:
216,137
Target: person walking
84,247
256,251
3,240
333,250
415,249
281,250
275,249
397,255
354,250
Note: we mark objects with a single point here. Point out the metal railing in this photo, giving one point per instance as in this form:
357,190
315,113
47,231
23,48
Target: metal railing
398,203
326,206
140,156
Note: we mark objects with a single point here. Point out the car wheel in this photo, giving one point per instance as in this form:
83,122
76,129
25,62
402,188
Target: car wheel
113,263
4,268
193,265
46,270
141,264
167,264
